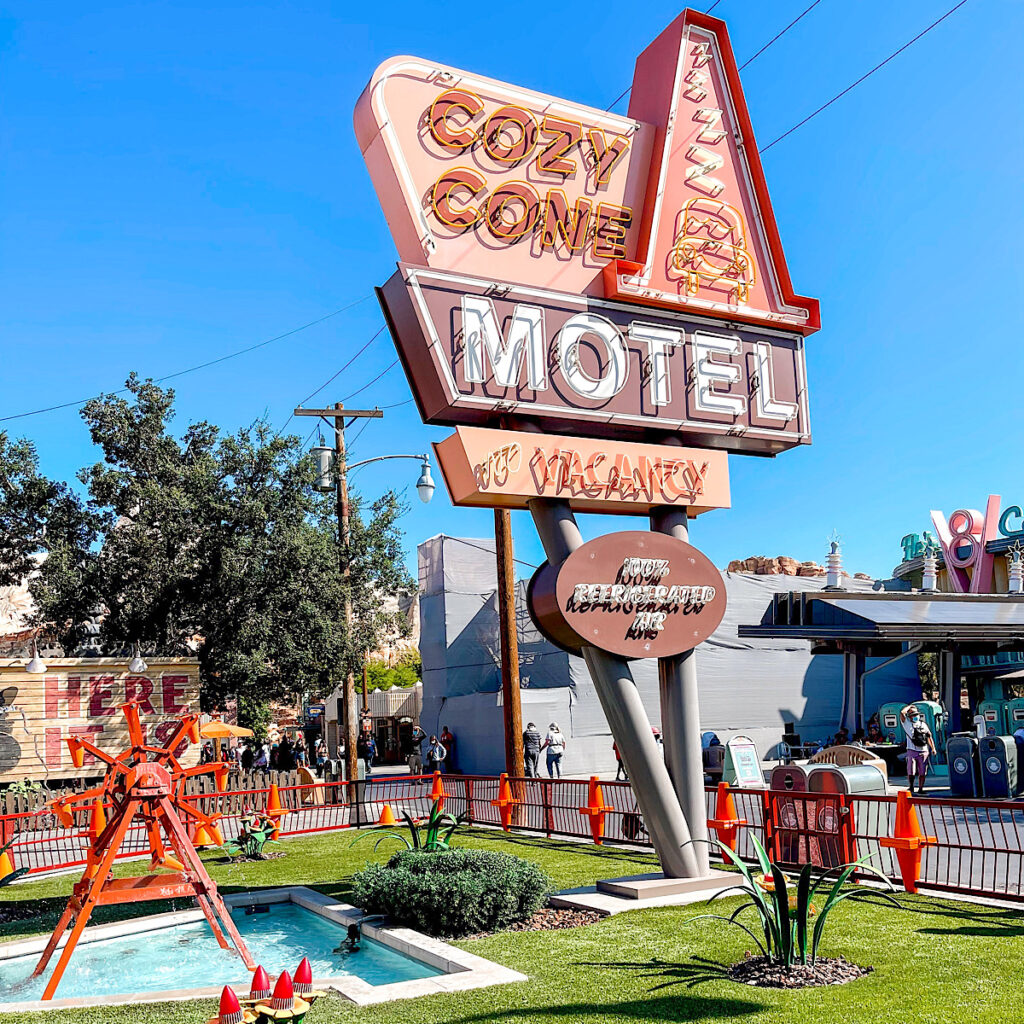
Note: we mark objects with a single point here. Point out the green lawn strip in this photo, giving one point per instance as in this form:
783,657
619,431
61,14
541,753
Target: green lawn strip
934,960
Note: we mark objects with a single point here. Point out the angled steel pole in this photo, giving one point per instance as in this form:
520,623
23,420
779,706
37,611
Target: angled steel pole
680,715
626,716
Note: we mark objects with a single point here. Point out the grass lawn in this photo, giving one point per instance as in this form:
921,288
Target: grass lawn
934,960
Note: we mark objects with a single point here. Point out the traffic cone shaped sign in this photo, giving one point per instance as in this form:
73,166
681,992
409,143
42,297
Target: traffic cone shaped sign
230,1010
725,823
304,977
260,988
284,994
387,816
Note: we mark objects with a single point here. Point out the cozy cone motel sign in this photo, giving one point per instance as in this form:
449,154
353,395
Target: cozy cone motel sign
600,305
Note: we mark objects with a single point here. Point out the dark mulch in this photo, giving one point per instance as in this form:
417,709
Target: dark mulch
758,970
23,911
256,859
549,919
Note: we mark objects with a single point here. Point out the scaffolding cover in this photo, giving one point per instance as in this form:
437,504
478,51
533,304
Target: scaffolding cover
747,685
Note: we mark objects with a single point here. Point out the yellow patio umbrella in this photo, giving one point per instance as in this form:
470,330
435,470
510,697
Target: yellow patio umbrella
217,730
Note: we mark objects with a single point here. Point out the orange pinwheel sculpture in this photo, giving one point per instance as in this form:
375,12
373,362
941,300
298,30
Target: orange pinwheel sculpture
145,783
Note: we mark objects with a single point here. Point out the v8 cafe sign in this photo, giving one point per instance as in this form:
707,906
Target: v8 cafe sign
618,276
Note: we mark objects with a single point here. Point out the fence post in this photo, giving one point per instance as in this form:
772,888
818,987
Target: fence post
545,789
769,825
469,800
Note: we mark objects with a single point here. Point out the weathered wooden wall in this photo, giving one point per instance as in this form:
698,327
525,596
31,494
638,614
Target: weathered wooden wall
82,697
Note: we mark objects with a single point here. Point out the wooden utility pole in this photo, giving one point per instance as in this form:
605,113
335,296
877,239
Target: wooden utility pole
339,414
514,764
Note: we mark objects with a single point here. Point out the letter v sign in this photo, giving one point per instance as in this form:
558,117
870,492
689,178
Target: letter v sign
708,240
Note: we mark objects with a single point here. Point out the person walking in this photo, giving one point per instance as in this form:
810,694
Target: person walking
554,744
364,751
620,772
531,751
436,754
919,745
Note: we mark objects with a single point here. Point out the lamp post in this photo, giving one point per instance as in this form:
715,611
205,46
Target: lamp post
338,468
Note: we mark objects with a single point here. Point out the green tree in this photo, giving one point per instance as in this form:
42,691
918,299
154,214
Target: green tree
40,518
218,545
407,672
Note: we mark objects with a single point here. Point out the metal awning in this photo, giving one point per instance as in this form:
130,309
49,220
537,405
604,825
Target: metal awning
895,617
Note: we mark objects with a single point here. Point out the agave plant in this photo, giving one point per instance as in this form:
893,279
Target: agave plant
253,838
786,909
427,836
11,876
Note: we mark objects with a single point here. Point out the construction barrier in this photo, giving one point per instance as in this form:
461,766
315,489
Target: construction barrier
969,846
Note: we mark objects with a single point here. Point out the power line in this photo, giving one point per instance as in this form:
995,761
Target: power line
713,6
359,391
864,77
778,36
333,377
192,369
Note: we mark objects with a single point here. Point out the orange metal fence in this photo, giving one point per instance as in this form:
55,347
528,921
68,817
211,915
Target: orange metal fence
974,846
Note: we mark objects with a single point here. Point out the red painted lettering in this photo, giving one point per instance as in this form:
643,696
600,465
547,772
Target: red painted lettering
606,154
91,733
565,135
173,689
140,688
101,697
560,223
449,102
69,694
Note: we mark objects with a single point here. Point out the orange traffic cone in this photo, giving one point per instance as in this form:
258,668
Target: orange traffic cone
387,816
595,809
907,841
725,823
6,865
505,802
275,810
437,792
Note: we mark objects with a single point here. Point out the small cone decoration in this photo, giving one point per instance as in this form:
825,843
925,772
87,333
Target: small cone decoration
230,1010
304,977
387,816
284,993
260,988
907,841
97,819
284,1005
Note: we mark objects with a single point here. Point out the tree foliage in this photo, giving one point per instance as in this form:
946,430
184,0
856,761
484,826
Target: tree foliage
406,673
214,544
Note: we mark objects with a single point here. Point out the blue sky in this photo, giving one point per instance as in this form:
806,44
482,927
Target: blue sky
181,180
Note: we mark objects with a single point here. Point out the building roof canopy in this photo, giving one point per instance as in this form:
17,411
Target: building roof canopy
848,620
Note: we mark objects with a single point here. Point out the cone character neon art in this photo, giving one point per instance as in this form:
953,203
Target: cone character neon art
144,783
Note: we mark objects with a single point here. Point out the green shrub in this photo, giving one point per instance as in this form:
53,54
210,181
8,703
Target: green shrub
452,892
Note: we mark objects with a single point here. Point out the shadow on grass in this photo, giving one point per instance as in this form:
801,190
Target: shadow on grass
691,973
671,1008
965,918
602,852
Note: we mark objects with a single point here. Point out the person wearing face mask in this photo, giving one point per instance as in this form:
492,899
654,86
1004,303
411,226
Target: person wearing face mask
920,745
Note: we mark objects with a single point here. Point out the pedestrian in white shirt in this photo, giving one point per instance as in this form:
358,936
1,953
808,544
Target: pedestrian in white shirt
554,744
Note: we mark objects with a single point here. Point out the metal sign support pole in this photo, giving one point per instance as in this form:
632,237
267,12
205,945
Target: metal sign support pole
626,716
680,715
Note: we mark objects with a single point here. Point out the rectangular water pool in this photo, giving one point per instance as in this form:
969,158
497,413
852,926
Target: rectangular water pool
186,956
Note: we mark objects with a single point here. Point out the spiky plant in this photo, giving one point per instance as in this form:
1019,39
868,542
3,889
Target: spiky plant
785,911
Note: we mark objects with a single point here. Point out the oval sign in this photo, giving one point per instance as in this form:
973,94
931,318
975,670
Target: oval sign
636,594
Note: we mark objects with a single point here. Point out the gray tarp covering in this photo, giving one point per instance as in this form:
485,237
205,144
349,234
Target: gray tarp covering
751,686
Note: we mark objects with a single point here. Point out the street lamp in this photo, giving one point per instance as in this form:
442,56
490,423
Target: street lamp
424,486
